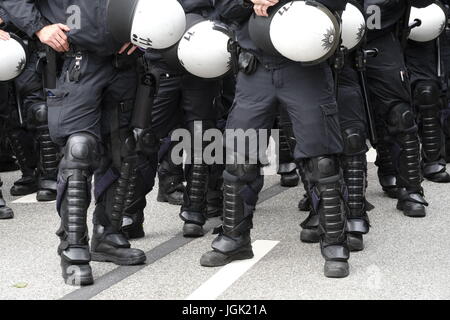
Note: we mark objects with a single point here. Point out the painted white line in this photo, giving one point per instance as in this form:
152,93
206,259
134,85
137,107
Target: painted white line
226,276
371,155
31,198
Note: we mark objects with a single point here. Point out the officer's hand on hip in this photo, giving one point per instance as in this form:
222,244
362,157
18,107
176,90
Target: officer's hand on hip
261,6
4,35
128,46
55,37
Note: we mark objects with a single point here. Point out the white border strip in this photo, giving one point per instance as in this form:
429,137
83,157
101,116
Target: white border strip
229,274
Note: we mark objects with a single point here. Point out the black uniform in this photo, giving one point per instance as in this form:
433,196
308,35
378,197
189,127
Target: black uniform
426,73
193,98
352,116
89,117
307,94
390,92
5,101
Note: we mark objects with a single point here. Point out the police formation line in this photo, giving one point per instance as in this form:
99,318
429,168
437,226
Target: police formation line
92,90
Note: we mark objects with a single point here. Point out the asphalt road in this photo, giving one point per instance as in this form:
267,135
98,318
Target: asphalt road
405,258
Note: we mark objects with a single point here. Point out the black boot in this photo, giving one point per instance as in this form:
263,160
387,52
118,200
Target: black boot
133,217
140,184
193,211
5,211
171,179
234,242
48,168
48,153
354,164
109,244
326,184
73,234
75,174
358,220
410,195
428,103
214,197
310,228
386,168
26,158
112,246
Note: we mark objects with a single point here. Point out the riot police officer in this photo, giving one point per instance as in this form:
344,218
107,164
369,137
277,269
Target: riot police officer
89,117
426,73
5,211
264,82
398,148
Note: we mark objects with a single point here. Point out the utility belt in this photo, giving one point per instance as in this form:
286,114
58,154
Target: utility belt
247,61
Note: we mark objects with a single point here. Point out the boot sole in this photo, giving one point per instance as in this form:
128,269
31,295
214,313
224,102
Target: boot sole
83,282
21,194
412,214
45,198
355,245
336,269
244,255
101,257
7,217
309,236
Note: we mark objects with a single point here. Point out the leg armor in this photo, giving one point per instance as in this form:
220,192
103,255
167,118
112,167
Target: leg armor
427,101
287,167
5,211
112,191
76,168
327,188
242,184
354,164
402,126
193,211
48,151
170,176
214,196
141,182
387,172
23,148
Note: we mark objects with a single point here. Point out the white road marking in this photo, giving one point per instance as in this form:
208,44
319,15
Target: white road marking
371,155
226,276
31,198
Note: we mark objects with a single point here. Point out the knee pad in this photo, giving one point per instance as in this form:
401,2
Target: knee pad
354,141
322,169
37,115
81,152
427,95
401,119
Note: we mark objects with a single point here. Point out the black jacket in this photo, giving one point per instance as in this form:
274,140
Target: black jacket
32,15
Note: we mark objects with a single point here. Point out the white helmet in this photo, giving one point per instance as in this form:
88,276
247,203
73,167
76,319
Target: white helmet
13,57
203,50
302,31
353,26
156,24
433,20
